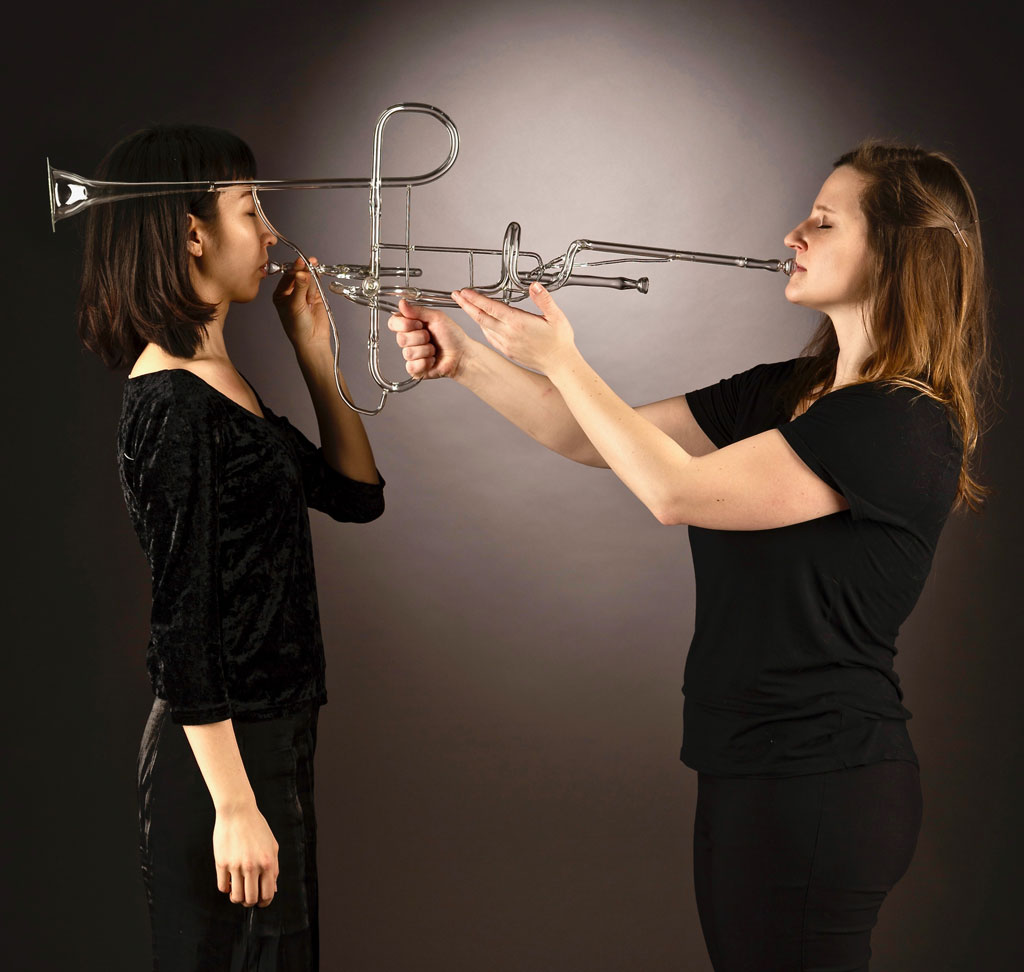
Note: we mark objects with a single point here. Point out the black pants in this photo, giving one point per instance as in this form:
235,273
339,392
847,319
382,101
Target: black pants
195,927
790,873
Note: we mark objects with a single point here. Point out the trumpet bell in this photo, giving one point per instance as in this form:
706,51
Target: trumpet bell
69,193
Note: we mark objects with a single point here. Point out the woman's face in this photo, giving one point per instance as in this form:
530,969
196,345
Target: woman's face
832,255
232,256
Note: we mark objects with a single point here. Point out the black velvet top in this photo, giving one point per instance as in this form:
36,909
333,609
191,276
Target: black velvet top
218,497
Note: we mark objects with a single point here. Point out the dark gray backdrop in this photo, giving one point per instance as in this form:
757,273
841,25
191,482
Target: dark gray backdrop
498,784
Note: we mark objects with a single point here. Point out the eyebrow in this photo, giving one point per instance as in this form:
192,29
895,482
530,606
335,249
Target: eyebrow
826,209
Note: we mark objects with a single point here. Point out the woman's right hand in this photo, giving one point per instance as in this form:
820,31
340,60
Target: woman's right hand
432,343
245,852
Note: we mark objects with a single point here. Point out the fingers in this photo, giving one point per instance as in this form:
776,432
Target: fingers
416,343
417,312
420,369
237,886
482,309
410,339
284,287
251,876
296,283
248,884
470,300
541,296
418,353
487,312
268,888
260,885
414,339
312,292
400,324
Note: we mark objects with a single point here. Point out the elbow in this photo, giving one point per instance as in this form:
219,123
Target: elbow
365,510
370,513
669,515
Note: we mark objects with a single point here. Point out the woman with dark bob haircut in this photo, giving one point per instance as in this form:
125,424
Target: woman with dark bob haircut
217,487
815,490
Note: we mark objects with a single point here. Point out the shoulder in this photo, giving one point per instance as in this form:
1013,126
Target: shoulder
172,389
889,449
172,404
767,374
886,405
742,405
760,379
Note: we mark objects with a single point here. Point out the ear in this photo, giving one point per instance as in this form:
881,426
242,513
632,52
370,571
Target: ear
194,237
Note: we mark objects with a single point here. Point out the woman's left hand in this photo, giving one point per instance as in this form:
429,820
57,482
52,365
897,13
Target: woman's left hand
536,341
300,308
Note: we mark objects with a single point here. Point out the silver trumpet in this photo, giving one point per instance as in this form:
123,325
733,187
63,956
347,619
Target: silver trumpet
362,283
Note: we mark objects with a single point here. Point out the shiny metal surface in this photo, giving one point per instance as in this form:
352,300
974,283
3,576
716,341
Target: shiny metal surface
362,283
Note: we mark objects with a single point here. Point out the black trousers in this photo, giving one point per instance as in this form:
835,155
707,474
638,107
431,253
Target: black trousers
790,873
195,927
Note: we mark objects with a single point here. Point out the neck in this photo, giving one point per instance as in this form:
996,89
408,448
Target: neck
214,346
855,345
206,290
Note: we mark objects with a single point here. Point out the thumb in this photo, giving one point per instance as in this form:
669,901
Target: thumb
544,301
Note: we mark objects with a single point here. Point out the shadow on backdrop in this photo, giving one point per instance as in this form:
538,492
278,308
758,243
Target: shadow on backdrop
498,783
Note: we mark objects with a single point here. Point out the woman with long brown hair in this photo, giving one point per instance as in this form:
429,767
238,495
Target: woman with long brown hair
815,490
218,489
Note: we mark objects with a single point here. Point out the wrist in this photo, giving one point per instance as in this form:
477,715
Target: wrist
470,363
563,364
313,354
235,805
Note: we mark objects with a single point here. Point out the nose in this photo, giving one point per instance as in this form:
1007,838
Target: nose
795,239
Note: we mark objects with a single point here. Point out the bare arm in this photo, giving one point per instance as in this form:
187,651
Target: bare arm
758,483
244,849
342,436
434,346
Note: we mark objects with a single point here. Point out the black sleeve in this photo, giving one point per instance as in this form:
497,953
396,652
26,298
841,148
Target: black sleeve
889,450
176,475
331,492
736,407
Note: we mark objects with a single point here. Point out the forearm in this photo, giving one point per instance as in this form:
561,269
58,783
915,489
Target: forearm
216,751
528,400
650,463
342,436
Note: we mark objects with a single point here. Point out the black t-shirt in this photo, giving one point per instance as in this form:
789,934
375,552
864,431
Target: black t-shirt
218,497
790,670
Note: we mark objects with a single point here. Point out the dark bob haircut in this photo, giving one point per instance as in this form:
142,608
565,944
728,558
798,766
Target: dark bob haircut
136,286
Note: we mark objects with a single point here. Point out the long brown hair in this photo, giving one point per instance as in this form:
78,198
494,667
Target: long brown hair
136,287
929,302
